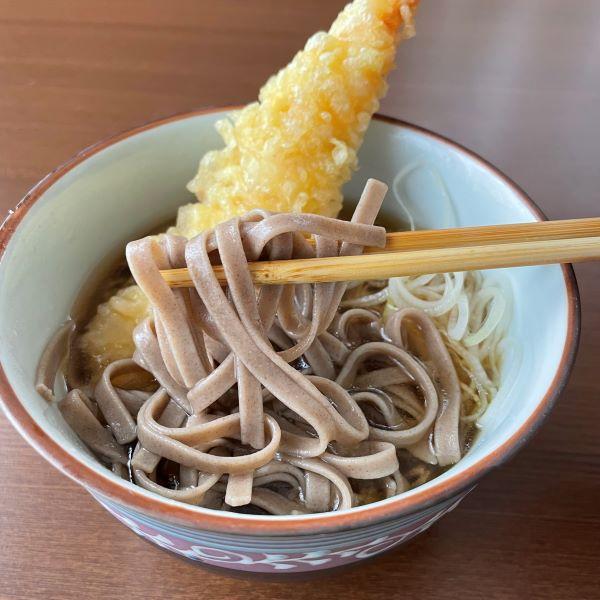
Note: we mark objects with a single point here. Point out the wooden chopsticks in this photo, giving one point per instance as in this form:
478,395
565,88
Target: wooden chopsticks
434,251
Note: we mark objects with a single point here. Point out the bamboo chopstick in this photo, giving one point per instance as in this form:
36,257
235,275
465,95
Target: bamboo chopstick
495,234
538,244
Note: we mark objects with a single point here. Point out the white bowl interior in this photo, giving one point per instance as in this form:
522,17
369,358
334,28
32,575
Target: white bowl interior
131,186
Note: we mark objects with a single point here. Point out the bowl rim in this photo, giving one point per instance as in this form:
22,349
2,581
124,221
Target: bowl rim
198,518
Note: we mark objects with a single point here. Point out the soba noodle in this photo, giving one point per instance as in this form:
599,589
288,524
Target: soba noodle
288,399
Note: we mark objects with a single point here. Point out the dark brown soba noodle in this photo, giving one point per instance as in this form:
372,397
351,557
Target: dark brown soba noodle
272,398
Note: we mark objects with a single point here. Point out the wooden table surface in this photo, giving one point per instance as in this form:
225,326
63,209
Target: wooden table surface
518,82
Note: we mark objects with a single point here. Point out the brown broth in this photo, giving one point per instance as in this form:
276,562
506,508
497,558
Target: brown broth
109,276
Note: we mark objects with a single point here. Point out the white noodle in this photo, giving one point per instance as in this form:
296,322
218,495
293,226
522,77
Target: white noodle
450,218
496,303
434,308
459,318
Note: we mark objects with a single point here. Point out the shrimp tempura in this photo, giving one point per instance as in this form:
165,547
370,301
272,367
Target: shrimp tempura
295,148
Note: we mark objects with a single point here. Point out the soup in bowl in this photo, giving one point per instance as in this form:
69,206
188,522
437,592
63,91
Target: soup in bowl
121,189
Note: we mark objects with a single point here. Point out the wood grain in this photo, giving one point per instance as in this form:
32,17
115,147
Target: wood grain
495,234
516,81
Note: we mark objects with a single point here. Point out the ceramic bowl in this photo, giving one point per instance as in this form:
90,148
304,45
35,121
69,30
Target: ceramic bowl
125,186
